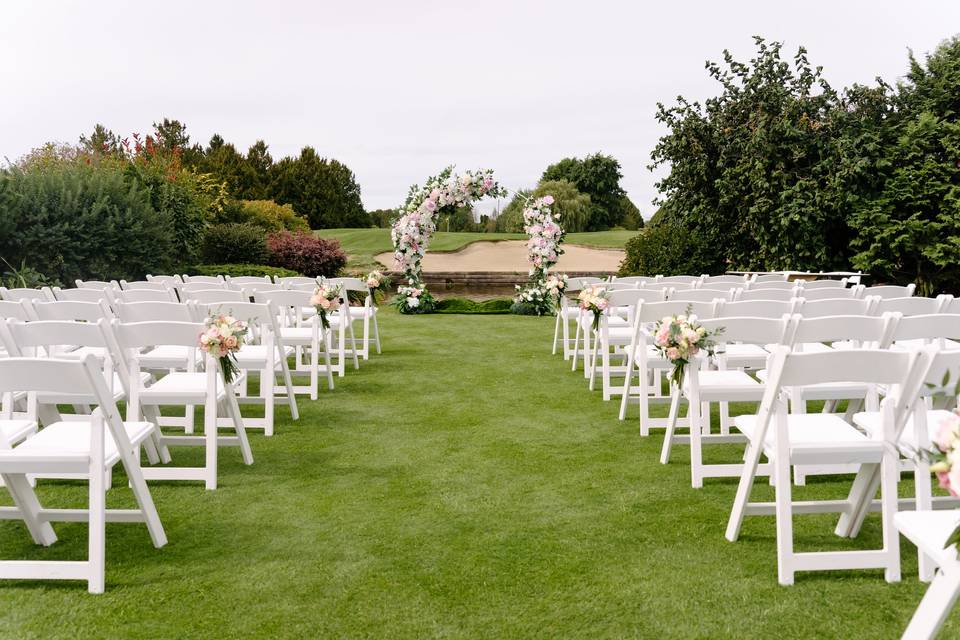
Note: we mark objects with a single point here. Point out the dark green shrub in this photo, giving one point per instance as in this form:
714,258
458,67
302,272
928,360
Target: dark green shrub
524,309
238,270
234,243
664,249
72,221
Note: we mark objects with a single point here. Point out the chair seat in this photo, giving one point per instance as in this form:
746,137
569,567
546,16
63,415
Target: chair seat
87,398
816,438
73,439
357,312
298,335
725,385
745,355
176,387
254,356
14,431
82,352
570,312
869,421
166,357
929,531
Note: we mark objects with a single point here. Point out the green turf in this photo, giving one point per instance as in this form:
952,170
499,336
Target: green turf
464,484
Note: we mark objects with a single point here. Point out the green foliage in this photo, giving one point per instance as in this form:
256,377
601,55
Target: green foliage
382,218
631,220
755,171
238,270
911,230
72,221
510,219
22,276
325,191
599,177
234,243
465,306
574,207
665,249
270,216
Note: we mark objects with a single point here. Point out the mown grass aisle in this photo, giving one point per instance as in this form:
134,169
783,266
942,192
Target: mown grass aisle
463,484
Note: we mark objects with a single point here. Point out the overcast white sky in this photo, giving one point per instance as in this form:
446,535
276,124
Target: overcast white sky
397,90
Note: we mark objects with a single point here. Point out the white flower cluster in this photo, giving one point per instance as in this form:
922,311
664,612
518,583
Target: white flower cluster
539,221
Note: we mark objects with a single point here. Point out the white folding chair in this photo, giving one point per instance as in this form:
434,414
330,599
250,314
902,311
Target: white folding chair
96,284
614,328
81,295
302,331
171,281
241,282
768,294
701,295
181,389
797,439
366,311
833,293
214,296
835,307
265,354
148,285
891,291
91,448
288,282
772,285
679,281
214,280
23,293
144,295
930,530
702,386
736,282
913,306
644,359
567,310
811,285
758,309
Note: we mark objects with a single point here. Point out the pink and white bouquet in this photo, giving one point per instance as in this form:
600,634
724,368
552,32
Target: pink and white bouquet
222,337
326,299
556,284
595,299
945,462
679,339
376,281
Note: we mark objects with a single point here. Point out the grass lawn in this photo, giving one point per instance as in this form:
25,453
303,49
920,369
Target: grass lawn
362,244
464,484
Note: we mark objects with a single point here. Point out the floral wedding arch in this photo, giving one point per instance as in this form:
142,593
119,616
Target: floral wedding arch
446,192
412,231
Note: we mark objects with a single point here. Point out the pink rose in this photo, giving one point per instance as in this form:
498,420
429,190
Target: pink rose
547,200
231,342
673,353
945,433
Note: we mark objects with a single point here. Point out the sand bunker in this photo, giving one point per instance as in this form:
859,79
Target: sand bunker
511,256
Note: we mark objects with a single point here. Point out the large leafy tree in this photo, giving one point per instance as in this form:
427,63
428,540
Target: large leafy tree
910,232
598,176
324,190
575,208
755,170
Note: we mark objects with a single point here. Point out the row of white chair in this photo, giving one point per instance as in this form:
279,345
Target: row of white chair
780,354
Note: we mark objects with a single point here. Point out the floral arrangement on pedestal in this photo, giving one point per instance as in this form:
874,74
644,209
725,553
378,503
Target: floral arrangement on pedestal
417,221
222,337
540,294
414,300
679,339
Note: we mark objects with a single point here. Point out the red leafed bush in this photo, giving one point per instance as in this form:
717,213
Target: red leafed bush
306,254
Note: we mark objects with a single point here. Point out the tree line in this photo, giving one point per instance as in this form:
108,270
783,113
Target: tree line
782,171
